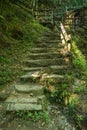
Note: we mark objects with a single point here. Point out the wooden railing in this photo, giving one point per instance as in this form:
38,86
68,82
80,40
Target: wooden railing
65,38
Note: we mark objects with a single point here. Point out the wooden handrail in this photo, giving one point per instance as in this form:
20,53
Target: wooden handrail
66,39
66,36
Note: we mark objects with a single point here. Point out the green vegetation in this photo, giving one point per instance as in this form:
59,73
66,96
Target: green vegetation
18,32
33,116
60,94
79,61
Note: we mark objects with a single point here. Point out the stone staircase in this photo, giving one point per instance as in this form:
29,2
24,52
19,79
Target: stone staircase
46,62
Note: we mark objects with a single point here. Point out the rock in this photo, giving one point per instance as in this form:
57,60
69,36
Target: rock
30,88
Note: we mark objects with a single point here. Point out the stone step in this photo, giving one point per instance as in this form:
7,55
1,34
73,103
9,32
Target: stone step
22,107
45,49
29,69
55,78
51,34
35,89
49,45
31,76
45,62
25,98
63,69
24,102
45,55
53,41
56,36
56,69
48,42
32,69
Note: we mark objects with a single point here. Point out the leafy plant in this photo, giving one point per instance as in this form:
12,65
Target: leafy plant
60,94
79,89
79,119
35,116
72,106
79,61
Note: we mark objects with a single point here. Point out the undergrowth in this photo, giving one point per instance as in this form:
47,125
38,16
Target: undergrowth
79,60
18,33
42,116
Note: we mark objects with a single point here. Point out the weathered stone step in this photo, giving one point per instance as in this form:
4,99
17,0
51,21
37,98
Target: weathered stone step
35,89
45,49
49,45
27,69
45,55
31,76
24,102
23,107
48,41
63,69
45,62
50,34
52,41
55,78
25,98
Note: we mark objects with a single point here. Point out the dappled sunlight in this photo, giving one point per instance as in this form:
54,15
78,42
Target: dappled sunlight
36,74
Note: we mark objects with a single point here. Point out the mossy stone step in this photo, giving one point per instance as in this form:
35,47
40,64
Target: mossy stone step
45,55
55,78
25,98
29,69
63,69
45,49
31,76
49,45
24,102
35,89
53,41
45,62
23,107
50,34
